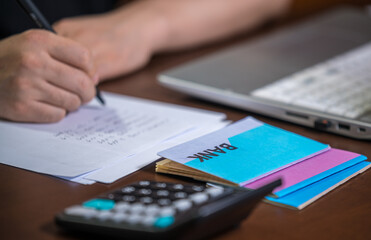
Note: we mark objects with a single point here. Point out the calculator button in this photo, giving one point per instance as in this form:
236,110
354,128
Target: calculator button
193,189
81,211
100,204
183,204
177,187
167,211
152,210
214,192
104,215
128,198
163,222
159,185
137,208
144,183
199,198
128,189
122,207
111,196
144,192
119,217
134,218
146,200
197,188
164,202
148,220
162,193
179,195
116,196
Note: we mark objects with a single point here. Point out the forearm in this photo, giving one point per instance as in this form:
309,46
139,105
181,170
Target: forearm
124,40
184,23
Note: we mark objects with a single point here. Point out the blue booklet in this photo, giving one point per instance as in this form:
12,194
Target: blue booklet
304,196
244,151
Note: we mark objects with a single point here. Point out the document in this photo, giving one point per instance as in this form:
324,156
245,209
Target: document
95,136
126,166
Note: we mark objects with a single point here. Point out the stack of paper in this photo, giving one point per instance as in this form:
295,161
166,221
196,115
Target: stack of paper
103,143
250,153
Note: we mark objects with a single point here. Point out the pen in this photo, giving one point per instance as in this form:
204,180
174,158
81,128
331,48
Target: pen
34,13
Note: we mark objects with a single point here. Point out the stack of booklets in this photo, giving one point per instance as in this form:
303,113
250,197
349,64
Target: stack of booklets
250,153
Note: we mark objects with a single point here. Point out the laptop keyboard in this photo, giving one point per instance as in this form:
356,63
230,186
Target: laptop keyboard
340,86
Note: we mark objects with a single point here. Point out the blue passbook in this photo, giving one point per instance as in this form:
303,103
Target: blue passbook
304,196
245,151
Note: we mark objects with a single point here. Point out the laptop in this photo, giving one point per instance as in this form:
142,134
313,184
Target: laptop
316,73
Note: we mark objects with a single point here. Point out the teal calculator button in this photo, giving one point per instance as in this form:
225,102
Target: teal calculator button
163,222
99,204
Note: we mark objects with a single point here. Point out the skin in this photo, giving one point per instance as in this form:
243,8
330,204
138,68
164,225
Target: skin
43,76
125,39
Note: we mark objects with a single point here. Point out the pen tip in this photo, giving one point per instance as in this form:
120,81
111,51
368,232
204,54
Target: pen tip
99,96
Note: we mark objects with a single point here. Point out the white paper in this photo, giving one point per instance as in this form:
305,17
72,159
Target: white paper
181,152
95,136
131,164
37,151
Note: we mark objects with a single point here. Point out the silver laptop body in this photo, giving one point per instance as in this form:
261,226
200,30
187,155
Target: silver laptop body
233,76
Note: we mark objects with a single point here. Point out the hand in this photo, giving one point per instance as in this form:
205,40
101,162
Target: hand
43,76
120,41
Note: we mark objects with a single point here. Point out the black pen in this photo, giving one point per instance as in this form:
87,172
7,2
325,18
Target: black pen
34,13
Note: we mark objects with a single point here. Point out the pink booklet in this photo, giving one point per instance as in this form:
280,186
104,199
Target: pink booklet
309,171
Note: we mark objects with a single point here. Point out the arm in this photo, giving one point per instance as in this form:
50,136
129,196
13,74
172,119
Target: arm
188,23
123,40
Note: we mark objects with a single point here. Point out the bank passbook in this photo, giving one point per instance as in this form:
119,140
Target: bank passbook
239,154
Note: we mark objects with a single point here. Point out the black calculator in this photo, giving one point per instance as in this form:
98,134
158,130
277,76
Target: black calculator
163,210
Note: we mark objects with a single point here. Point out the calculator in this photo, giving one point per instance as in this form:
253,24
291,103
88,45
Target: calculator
163,210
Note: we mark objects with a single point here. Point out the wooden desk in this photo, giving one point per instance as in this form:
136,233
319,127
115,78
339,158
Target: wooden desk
29,201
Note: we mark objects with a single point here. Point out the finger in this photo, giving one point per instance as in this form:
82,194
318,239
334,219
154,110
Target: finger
45,113
73,54
70,79
34,111
58,97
